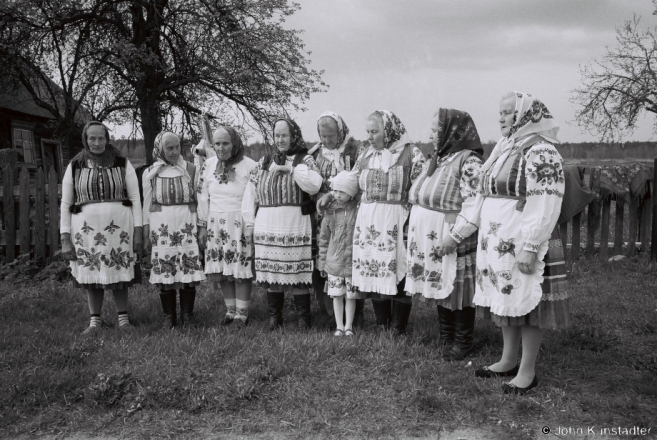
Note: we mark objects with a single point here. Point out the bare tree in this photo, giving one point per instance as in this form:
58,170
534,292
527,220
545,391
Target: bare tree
620,87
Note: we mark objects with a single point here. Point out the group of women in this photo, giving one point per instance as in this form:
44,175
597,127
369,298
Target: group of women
474,237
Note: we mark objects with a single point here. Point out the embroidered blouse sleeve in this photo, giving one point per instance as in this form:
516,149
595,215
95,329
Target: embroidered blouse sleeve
148,199
307,176
67,201
133,192
467,221
249,203
203,191
545,187
418,160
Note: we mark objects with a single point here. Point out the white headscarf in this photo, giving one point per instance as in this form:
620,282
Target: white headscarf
336,155
395,137
160,161
530,117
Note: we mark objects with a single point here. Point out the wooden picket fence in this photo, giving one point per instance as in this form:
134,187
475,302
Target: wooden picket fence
38,236
35,235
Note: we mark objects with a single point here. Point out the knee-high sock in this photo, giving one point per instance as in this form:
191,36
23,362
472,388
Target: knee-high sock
350,308
242,309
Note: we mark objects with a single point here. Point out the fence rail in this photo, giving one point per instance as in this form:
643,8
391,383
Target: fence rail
36,233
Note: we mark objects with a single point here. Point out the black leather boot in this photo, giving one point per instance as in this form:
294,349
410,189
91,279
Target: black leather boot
383,312
302,304
275,301
463,334
168,300
187,299
446,327
359,314
401,311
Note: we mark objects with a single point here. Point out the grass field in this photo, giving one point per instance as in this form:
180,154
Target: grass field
217,382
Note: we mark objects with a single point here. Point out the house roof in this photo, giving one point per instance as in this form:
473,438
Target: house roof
16,97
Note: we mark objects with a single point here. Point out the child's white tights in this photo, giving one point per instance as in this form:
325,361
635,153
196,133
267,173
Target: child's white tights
339,312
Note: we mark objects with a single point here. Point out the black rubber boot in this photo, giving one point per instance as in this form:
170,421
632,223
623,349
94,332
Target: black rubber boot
168,300
359,314
383,312
302,304
401,311
463,334
187,299
275,301
446,327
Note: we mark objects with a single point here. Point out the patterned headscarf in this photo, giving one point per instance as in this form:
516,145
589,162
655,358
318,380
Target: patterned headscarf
160,161
236,154
337,155
456,132
395,137
343,130
297,144
104,159
530,117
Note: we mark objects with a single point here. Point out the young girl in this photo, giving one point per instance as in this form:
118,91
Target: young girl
335,248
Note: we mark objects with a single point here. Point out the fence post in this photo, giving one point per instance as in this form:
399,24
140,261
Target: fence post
633,219
653,248
590,230
10,214
604,229
24,208
40,216
577,225
618,227
53,212
646,214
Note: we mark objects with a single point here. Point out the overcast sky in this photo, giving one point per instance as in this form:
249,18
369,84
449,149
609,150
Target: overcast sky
414,56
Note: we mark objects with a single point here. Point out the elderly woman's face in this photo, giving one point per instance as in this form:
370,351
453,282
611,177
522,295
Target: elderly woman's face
222,144
171,148
328,134
375,133
434,132
507,109
282,136
96,139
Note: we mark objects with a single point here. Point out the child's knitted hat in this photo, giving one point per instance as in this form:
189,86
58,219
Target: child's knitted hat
345,181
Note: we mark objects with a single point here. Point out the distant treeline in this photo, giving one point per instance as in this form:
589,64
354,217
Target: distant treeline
582,151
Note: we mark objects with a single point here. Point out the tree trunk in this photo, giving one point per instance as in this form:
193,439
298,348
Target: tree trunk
151,123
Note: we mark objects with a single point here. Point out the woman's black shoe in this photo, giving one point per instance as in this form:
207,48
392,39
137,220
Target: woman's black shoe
509,388
486,372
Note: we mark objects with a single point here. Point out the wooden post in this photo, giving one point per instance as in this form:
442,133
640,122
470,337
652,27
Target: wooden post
653,248
604,229
618,227
646,221
40,216
53,212
577,225
633,219
24,208
563,231
590,230
10,214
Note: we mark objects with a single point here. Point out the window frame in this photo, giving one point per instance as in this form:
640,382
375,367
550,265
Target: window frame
15,125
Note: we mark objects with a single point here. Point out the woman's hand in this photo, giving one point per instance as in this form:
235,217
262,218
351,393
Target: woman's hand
276,168
67,246
526,262
137,242
147,240
323,274
202,237
448,247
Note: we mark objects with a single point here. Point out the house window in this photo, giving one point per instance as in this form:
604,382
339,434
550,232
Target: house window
24,145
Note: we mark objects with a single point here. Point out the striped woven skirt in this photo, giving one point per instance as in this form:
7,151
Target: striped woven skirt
447,281
503,293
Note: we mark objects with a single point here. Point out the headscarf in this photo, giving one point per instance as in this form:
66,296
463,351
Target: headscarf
297,145
160,161
531,116
236,154
395,137
456,132
105,159
335,156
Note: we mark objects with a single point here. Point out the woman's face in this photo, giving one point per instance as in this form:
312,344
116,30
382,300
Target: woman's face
96,139
507,109
434,132
282,136
222,145
375,133
171,148
328,134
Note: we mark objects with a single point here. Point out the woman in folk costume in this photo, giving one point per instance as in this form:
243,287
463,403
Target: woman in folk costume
226,215
386,171
521,274
282,184
438,269
170,207
102,210
337,151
